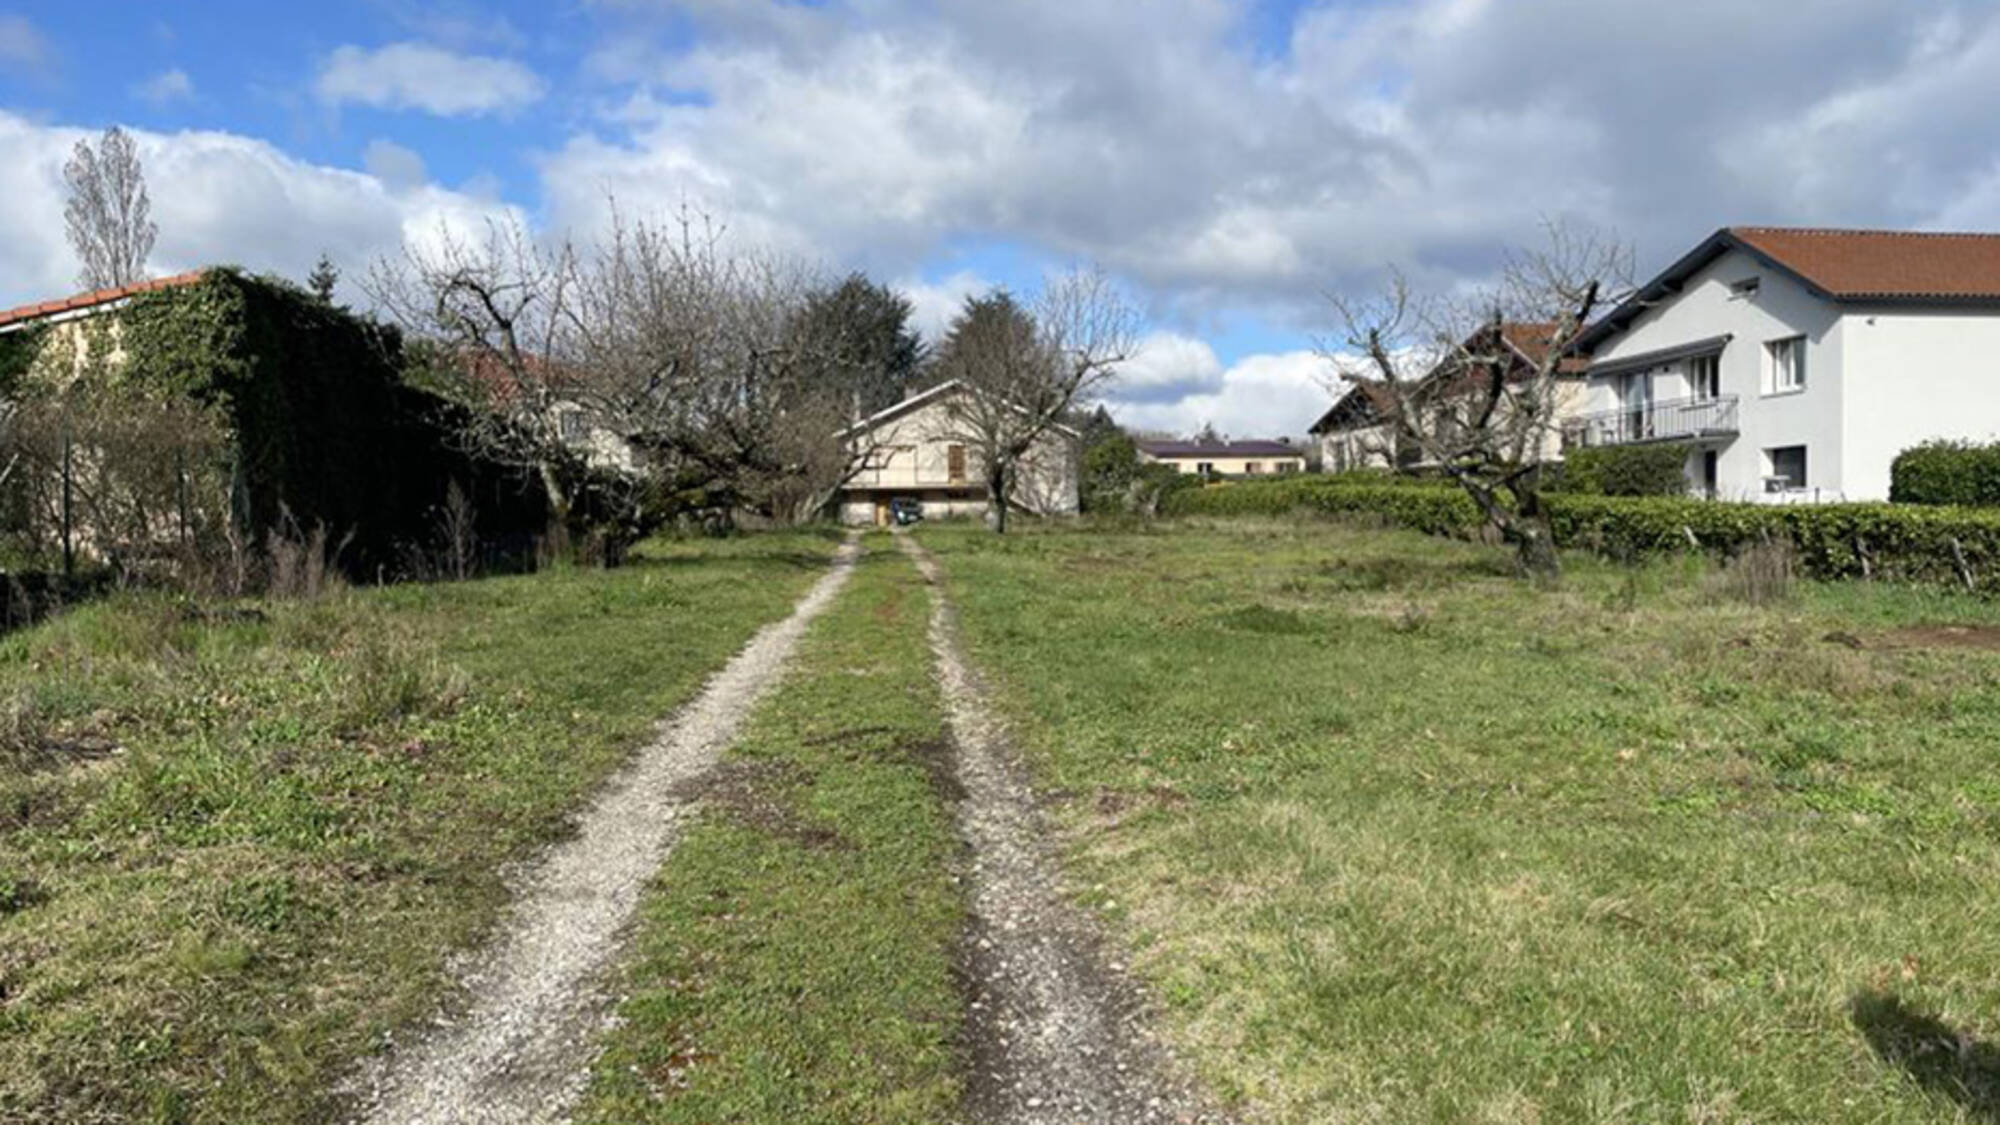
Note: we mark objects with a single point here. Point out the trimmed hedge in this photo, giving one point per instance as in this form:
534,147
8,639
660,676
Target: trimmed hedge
1627,470
1920,544
1946,472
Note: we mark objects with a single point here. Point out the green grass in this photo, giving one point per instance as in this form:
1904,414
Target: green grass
794,956
311,806
1398,837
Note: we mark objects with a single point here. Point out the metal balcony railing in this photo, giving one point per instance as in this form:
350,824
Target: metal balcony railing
1666,420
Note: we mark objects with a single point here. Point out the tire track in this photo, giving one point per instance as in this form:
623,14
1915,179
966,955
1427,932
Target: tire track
521,1051
1056,1033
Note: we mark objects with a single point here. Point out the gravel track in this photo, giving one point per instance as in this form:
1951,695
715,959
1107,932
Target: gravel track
520,1052
1056,1031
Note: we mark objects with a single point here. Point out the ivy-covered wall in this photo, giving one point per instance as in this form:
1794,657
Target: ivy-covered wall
322,430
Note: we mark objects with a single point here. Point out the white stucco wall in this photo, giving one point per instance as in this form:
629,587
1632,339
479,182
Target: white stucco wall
913,458
1267,464
1781,307
1914,376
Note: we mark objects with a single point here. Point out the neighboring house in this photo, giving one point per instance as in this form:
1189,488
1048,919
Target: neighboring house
191,415
915,449
1358,431
1798,363
1226,458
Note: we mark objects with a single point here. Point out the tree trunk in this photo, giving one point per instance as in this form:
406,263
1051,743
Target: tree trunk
1534,539
996,499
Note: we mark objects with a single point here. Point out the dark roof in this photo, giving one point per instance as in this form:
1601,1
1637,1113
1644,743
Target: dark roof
1220,449
94,298
1364,405
1887,266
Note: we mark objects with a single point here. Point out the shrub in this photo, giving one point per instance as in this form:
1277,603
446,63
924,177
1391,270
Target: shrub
1946,472
1954,545
1626,470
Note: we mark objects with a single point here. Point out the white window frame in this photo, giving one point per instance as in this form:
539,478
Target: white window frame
1704,377
1772,477
1785,365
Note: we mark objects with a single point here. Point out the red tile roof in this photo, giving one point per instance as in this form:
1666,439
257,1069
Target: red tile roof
95,298
1902,265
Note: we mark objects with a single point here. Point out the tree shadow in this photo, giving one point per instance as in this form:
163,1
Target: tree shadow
1941,1058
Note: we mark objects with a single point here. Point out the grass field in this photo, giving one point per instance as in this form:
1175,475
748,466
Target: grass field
237,843
1399,837
794,958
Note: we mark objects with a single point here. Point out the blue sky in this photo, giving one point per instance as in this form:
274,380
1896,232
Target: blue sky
1232,163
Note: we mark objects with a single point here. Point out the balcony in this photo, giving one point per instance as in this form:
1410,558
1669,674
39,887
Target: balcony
1674,419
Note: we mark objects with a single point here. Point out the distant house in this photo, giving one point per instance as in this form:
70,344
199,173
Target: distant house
1797,363
915,450
1226,458
1358,431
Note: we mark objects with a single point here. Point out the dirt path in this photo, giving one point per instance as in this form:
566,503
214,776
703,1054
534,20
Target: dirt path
1056,1031
521,1051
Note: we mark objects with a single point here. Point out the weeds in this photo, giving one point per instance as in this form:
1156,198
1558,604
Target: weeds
1761,574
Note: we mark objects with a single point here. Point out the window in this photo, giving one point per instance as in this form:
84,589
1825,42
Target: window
1340,455
1785,364
1288,467
1705,377
954,456
1785,468
1253,467
1205,468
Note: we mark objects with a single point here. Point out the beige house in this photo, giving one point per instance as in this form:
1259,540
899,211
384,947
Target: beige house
914,450
1357,432
1226,458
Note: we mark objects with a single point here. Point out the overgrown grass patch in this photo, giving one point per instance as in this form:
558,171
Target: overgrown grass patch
238,843
1443,846
794,957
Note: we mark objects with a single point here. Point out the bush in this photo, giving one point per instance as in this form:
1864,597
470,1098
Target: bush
1626,470
1947,472
1954,545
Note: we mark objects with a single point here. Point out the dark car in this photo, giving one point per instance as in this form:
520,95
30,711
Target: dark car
906,510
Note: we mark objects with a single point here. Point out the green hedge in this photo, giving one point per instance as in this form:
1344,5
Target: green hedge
1926,544
1947,472
1627,470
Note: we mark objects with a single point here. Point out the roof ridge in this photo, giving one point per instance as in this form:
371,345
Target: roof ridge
1878,232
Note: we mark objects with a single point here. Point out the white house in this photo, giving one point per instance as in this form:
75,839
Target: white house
1226,458
1798,363
916,450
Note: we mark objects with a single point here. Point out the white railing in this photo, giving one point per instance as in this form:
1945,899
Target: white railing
1666,420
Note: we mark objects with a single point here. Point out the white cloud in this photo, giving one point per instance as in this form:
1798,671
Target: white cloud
165,88
933,304
1259,396
431,79
22,47
1158,140
218,198
393,164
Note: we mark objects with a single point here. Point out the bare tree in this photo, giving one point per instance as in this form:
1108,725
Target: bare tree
1024,370
496,325
1472,387
108,214
655,372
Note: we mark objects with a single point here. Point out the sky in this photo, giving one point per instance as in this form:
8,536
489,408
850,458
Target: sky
1233,164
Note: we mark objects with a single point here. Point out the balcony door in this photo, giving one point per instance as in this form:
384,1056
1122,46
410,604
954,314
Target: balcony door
1635,397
